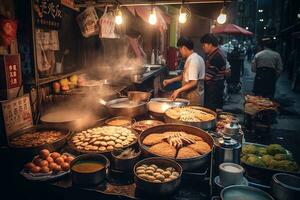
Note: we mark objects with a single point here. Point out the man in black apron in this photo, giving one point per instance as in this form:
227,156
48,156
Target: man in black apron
214,74
193,74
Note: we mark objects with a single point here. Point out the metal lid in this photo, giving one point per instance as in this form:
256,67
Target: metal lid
227,142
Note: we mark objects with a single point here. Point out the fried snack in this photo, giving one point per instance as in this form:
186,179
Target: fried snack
153,139
195,137
186,152
200,147
163,149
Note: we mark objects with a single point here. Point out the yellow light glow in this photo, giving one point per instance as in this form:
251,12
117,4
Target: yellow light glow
222,18
153,17
182,18
118,17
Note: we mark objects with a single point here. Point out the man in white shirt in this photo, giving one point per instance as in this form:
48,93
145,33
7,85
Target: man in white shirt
192,78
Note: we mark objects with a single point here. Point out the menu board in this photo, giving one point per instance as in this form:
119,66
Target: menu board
48,13
16,114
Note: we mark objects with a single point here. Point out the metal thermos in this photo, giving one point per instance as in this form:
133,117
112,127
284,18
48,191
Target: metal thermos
226,149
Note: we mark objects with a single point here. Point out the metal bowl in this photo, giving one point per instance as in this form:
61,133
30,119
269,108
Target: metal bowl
93,178
127,125
158,188
206,125
125,107
285,186
138,96
124,164
244,192
150,123
31,151
189,163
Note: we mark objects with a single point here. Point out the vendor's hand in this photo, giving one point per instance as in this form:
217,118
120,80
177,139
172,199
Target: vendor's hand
175,95
166,82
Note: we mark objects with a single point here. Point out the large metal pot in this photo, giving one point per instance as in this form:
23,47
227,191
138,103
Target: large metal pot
206,125
31,151
285,186
139,96
189,163
125,107
93,178
158,188
244,192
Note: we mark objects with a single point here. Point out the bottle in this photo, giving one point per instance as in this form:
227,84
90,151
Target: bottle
152,57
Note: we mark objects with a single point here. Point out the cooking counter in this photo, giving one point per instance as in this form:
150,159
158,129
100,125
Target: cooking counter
151,74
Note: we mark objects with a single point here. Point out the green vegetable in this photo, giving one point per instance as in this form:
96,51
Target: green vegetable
267,159
255,161
273,149
261,151
281,156
249,149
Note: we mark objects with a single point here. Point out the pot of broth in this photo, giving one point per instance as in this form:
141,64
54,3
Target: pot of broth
89,169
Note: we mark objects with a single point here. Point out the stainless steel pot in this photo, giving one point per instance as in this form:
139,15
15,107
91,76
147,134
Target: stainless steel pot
139,96
125,107
93,178
285,186
206,125
244,192
158,188
124,164
189,163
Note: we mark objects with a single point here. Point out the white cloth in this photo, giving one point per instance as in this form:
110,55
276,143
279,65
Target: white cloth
194,68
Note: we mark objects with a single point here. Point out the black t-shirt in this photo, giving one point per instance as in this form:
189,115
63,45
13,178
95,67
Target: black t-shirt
215,66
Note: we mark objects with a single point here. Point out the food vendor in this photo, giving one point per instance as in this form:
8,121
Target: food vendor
215,72
192,78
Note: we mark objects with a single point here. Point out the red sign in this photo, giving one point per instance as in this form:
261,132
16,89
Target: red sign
13,71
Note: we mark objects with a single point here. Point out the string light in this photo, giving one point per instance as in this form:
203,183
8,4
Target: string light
222,17
152,17
118,16
183,13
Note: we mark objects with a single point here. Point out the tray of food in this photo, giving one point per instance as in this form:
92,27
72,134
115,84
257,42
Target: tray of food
33,139
188,145
192,115
143,125
47,166
264,161
102,139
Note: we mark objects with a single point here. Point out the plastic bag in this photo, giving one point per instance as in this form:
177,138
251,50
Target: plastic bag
88,22
107,25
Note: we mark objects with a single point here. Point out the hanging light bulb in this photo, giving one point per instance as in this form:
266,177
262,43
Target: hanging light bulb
182,16
152,17
222,17
118,16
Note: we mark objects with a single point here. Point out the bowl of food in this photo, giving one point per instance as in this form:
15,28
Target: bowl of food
187,145
143,125
192,115
102,139
157,176
47,166
89,169
264,161
125,159
30,141
120,121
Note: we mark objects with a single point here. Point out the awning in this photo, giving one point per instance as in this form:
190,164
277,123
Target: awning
231,29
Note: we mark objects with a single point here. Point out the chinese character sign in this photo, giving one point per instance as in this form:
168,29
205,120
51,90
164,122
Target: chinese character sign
13,71
17,114
48,13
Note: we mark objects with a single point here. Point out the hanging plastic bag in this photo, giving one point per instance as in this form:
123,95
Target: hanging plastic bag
8,31
88,22
107,25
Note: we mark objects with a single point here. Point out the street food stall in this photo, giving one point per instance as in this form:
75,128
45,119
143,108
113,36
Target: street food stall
94,123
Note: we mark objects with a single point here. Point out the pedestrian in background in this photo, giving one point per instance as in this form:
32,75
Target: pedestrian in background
267,65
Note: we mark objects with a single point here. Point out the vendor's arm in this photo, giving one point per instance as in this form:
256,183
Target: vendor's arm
172,80
191,84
